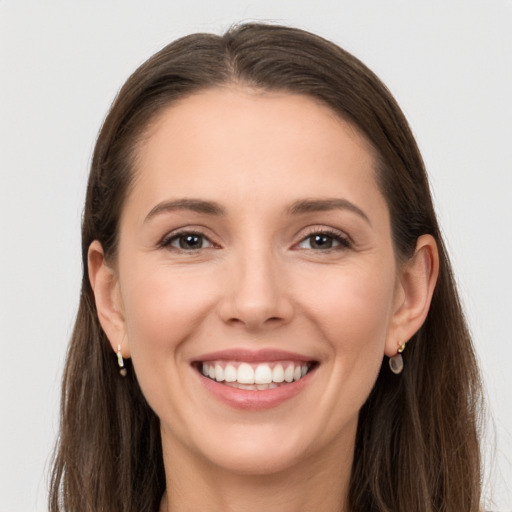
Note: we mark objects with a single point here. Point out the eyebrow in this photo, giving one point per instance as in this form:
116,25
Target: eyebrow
297,208
323,205
194,205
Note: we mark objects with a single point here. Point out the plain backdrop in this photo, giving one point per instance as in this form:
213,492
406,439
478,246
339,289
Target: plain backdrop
449,64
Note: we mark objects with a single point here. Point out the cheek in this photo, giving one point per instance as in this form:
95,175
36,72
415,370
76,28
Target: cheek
162,307
353,308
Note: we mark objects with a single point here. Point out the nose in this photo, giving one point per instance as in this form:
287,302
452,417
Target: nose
257,296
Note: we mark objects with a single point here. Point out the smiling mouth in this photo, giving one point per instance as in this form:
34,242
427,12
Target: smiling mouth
255,376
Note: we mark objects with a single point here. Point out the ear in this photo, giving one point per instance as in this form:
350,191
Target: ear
105,287
416,283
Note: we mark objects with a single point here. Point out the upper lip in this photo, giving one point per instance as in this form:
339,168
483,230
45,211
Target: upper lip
253,356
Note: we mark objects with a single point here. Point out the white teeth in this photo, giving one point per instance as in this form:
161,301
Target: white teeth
278,373
245,374
263,374
230,373
288,374
256,376
219,373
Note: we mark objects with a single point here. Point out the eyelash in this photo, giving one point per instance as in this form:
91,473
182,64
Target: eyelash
333,235
337,236
167,241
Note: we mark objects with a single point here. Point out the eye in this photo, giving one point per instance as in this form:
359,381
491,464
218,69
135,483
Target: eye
187,241
324,241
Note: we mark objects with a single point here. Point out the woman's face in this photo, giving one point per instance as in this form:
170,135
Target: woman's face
256,245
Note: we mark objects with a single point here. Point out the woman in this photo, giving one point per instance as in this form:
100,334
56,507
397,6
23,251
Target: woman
259,249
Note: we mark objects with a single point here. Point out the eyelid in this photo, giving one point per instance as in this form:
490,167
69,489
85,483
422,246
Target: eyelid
340,236
166,241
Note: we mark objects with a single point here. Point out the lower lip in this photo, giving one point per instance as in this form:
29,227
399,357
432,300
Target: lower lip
255,400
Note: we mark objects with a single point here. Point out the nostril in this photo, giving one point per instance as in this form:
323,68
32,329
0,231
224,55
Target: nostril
255,322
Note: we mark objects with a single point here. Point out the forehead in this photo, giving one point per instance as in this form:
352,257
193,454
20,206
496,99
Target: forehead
250,109
241,142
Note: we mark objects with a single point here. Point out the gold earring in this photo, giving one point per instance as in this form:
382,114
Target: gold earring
120,361
396,362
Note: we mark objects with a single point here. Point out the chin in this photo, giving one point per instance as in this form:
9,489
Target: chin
261,450
256,460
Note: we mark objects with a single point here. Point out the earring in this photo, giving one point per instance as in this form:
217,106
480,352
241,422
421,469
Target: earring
396,362
120,361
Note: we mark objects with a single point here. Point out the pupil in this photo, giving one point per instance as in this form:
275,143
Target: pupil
190,242
321,242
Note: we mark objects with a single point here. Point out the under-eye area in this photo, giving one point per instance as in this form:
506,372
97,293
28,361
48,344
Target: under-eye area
255,376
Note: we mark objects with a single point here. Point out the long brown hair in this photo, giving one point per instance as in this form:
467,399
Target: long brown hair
417,446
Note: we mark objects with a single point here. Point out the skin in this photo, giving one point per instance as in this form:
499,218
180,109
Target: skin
258,281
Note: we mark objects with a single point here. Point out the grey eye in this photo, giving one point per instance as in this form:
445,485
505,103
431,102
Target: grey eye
321,241
189,242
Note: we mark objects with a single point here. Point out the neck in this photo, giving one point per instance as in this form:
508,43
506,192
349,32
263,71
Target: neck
319,483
